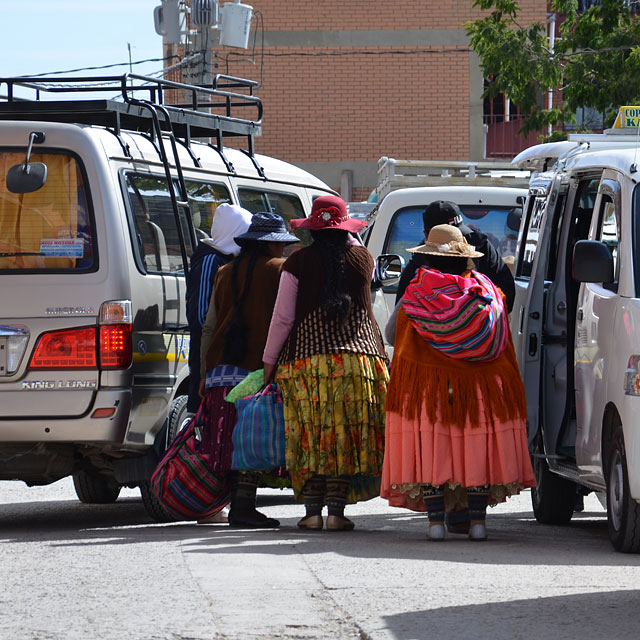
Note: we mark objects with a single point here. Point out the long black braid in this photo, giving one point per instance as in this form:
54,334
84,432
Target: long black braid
334,299
235,335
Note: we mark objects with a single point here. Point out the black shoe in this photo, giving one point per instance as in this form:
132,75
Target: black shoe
251,520
460,523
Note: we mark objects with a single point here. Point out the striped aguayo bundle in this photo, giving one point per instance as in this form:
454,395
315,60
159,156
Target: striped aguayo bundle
461,316
183,481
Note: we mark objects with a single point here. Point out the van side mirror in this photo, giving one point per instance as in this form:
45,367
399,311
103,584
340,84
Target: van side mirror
592,262
388,269
28,176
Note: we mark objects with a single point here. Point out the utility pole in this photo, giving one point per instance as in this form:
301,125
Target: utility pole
202,42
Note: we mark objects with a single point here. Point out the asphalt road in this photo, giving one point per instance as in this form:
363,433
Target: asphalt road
75,571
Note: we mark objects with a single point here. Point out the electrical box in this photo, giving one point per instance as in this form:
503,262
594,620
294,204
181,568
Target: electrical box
235,25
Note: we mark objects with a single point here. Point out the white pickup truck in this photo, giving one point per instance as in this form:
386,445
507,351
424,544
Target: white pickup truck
398,226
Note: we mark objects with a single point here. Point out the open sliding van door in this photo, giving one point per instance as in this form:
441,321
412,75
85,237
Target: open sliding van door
545,199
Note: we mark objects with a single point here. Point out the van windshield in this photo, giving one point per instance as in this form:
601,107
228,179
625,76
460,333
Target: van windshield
49,229
406,230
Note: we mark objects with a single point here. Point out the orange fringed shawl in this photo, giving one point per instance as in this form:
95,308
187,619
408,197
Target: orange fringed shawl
447,387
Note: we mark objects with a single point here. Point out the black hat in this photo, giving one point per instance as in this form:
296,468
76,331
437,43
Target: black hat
267,227
441,212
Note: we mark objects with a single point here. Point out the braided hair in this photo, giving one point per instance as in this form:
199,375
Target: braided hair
334,299
235,335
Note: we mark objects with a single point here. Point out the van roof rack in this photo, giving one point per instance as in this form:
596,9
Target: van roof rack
209,112
194,111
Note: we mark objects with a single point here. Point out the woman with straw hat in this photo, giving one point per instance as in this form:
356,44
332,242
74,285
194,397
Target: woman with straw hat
333,371
456,408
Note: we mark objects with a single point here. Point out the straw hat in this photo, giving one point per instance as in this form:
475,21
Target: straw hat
446,240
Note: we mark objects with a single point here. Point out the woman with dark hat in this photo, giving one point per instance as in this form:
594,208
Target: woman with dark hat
332,367
456,408
233,339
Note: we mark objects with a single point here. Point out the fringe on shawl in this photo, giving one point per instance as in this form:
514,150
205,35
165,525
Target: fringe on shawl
450,393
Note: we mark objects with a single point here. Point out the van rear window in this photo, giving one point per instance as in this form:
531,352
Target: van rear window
49,229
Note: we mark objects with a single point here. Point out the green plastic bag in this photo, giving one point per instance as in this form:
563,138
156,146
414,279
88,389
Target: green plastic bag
248,387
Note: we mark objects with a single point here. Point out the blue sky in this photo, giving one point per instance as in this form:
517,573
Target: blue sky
38,36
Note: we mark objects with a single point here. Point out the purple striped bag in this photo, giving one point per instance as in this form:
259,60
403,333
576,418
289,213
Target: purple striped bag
183,482
258,437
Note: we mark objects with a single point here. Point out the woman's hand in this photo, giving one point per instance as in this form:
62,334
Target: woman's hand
269,372
202,391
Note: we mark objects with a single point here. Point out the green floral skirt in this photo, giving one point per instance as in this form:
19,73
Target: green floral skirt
334,420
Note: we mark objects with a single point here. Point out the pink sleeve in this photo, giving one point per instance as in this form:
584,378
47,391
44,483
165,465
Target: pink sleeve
284,314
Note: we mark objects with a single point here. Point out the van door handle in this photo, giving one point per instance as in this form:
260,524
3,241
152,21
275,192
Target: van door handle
533,344
580,315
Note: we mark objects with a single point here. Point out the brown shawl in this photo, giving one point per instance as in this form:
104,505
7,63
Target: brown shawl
448,387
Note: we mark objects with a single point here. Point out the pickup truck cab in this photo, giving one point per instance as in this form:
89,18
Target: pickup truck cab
398,226
576,324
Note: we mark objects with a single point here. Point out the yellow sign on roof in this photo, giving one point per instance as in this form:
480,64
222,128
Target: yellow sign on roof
627,118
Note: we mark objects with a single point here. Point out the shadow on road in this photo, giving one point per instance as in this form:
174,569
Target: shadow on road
515,538
597,616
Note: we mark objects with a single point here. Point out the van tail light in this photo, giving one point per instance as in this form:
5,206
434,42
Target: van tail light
115,334
107,346
632,377
115,346
68,349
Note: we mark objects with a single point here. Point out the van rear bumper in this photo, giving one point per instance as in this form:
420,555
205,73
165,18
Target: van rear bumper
75,430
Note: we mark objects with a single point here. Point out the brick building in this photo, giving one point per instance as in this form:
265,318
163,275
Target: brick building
346,82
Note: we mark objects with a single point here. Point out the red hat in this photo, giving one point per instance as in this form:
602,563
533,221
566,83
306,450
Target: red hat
328,212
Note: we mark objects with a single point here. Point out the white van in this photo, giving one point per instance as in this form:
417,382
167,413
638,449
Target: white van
398,226
102,202
576,325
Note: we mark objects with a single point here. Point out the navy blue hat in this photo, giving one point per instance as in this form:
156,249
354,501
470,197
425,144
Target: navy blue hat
267,227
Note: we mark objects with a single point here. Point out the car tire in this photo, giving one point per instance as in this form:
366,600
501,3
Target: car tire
553,497
93,488
179,417
153,506
623,512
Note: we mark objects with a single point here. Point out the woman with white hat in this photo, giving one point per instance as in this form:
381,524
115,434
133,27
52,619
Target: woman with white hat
229,220
456,408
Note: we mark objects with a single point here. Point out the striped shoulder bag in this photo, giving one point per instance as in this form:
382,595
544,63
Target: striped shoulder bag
461,316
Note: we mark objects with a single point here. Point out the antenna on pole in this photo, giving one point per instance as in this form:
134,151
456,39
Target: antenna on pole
204,16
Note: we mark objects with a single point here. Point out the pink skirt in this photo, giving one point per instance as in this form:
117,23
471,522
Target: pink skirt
420,452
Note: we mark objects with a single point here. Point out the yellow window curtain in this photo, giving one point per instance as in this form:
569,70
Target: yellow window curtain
44,222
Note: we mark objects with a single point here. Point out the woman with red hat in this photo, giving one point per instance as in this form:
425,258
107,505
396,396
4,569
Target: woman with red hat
325,350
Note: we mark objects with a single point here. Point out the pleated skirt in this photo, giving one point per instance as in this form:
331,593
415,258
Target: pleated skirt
424,452
334,420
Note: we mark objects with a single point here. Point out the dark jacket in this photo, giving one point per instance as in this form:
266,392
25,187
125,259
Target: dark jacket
204,266
491,265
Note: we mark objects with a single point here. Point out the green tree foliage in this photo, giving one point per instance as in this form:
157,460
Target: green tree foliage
595,62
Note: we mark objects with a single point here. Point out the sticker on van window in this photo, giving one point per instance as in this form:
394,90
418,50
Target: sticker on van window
61,247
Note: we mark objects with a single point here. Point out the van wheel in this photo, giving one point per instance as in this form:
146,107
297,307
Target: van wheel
153,506
93,488
554,497
623,513
179,417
